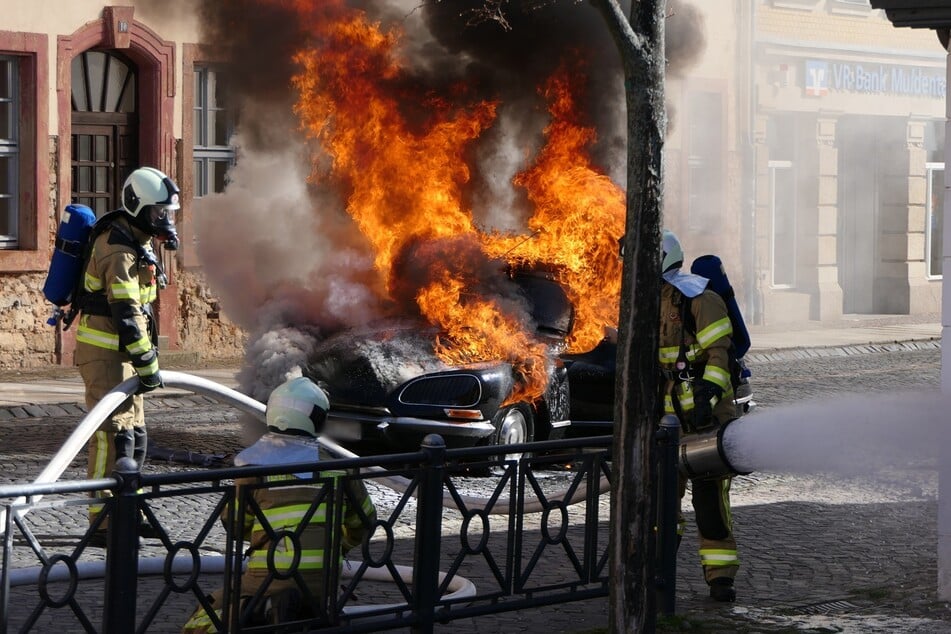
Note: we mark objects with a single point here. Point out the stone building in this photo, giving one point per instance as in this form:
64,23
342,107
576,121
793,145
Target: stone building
88,92
804,148
824,126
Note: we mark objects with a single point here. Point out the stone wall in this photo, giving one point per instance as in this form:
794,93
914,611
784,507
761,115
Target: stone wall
26,341
203,327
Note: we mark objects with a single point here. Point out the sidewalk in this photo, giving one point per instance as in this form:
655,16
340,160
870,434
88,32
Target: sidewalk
59,391
867,335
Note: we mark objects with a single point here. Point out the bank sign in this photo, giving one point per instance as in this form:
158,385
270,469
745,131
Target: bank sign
823,76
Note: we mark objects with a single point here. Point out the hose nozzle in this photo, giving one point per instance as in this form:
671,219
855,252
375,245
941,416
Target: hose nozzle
702,456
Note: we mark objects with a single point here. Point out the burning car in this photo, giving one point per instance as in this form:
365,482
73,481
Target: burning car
388,387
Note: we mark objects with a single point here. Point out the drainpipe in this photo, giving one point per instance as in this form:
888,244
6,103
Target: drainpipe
746,15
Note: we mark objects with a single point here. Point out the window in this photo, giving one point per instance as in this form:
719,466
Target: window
705,160
214,125
782,207
935,218
9,153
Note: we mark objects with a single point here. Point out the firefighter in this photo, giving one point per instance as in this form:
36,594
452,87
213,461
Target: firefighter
694,343
295,415
116,338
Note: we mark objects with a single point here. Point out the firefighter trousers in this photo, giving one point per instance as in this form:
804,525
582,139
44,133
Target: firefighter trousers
711,505
122,435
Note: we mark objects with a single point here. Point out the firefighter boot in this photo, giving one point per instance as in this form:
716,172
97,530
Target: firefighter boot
131,443
140,442
721,589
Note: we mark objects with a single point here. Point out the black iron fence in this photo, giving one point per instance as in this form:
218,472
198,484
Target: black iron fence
463,534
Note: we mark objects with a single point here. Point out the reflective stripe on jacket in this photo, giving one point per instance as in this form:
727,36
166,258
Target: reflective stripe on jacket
116,270
285,507
708,348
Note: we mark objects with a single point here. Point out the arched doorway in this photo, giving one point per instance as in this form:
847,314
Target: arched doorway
112,120
105,127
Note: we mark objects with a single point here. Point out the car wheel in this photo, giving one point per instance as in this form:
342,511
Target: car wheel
514,424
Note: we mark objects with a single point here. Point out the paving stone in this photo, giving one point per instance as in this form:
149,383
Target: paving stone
36,411
72,409
794,553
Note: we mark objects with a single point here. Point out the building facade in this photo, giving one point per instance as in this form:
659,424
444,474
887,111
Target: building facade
831,124
804,148
88,92
848,128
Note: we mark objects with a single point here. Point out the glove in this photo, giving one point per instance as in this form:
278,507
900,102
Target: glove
705,396
150,382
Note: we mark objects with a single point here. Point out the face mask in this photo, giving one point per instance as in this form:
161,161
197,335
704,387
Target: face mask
163,227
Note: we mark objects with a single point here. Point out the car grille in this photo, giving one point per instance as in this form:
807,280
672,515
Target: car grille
458,390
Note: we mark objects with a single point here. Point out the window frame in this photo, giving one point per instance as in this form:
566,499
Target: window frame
35,200
203,153
698,160
774,166
930,168
193,55
10,147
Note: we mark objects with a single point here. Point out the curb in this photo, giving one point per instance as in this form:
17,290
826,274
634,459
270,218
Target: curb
76,409
180,400
795,354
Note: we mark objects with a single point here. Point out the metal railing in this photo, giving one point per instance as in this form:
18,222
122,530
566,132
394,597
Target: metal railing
444,558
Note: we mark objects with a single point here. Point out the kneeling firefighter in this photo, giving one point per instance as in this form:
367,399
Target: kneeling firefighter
116,338
296,411
694,342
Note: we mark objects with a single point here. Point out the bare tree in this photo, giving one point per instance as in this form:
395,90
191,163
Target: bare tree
640,40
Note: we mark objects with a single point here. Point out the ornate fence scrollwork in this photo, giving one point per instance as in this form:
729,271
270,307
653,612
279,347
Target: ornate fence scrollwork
537,537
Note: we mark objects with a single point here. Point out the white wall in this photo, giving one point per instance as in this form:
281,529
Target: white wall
944,466
174,21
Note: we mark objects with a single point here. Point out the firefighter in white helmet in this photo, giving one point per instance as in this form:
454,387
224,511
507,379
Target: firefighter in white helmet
694,341
296,411
116,338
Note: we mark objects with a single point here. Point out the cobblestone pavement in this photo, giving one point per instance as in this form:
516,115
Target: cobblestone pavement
820,553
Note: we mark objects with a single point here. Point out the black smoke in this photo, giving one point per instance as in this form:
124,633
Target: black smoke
505,61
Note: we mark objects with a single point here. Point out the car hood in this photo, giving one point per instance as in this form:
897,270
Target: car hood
363,366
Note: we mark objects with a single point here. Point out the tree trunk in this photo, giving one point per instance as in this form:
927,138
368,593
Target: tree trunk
640,40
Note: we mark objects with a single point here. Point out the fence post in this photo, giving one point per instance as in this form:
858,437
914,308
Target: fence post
428,533
122,556
668,496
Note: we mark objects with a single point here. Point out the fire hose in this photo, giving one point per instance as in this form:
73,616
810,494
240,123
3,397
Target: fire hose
98,414
458,588
700,456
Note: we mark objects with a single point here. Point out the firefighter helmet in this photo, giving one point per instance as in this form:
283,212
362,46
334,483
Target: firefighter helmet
297,407
673,253
149,197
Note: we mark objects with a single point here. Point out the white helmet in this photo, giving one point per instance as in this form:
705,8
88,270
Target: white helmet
149,196
297,407
673,253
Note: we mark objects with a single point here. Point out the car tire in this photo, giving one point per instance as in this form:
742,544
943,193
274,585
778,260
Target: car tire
514,424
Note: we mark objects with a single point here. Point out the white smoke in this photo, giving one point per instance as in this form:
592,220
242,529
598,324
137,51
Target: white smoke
288,264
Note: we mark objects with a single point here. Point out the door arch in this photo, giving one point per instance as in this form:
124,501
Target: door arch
117,33
104,129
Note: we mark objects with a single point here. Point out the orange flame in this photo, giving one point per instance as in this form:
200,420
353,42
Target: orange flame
399,155
579,217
